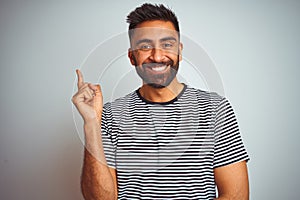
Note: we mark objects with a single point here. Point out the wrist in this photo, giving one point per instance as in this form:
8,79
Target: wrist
93,138
92,122
91,128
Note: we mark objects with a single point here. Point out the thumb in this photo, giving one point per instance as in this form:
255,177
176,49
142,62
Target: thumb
98,102
98,95
96,89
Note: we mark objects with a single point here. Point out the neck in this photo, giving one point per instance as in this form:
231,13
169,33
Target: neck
161,94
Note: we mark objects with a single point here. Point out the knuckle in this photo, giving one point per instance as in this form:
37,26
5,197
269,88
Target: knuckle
74,99
83,85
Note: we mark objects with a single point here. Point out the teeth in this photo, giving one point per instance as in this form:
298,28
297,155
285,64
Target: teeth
157,69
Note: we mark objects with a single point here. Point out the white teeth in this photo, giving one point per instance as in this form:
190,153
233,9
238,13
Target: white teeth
158,69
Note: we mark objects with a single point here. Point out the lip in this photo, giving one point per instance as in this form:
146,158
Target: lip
158,68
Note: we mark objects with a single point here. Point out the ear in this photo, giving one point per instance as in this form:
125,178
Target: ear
180,51
130,56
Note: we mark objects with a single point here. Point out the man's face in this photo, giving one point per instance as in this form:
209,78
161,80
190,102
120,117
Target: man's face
156,52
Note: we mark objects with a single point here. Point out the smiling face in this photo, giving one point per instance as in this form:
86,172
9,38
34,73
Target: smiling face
155,52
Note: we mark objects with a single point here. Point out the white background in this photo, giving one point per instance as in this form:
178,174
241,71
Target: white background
255,48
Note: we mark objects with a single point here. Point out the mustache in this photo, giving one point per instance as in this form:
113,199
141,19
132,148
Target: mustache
157,64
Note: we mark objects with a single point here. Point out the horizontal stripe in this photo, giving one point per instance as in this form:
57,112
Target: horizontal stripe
169,151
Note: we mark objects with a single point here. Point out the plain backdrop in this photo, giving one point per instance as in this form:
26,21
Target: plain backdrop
254,46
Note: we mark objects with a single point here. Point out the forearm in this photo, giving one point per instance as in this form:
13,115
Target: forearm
96,181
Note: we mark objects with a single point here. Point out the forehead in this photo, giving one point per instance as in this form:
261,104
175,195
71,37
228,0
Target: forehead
154,30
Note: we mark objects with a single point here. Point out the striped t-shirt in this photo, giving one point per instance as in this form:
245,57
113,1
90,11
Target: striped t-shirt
169,150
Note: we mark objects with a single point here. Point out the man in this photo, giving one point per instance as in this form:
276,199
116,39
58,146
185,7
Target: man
165,140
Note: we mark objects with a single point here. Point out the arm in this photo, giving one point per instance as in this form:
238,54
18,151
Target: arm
232,181
98,181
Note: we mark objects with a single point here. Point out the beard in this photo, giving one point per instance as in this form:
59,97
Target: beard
159,80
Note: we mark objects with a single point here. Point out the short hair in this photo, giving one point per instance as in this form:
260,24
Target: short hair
150,12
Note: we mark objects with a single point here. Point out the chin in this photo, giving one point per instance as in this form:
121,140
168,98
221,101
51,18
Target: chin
156,86
159,85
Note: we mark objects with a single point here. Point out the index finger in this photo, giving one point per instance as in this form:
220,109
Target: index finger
80,78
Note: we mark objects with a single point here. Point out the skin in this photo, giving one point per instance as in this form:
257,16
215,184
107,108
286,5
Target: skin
153,42
232,181
159,51
98,181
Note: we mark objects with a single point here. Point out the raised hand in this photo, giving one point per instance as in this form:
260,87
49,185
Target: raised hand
88,100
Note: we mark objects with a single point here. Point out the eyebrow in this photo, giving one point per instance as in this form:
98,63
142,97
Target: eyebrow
161,40
167,39
143,41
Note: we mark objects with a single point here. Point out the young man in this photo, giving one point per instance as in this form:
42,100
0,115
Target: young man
165,140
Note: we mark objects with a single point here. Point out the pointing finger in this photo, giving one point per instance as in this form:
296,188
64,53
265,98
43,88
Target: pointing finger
80,78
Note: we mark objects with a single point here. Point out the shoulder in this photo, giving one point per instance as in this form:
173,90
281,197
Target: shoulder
118,105
203,96
121,100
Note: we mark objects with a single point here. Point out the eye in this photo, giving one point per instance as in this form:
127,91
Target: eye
145,47
167,45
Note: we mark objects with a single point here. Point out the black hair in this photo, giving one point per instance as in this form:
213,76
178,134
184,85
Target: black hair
150,12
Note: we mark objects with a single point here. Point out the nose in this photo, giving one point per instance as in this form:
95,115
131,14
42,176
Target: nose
157,55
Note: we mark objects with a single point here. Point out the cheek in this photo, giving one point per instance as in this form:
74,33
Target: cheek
140,58
175,58
173,55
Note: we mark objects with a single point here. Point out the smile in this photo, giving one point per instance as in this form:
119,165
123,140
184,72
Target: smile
160,68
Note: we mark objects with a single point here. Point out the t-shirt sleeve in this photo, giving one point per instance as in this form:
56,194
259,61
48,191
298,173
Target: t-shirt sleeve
108,139
229,147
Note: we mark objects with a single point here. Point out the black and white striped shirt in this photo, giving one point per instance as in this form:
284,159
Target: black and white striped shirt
169,150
